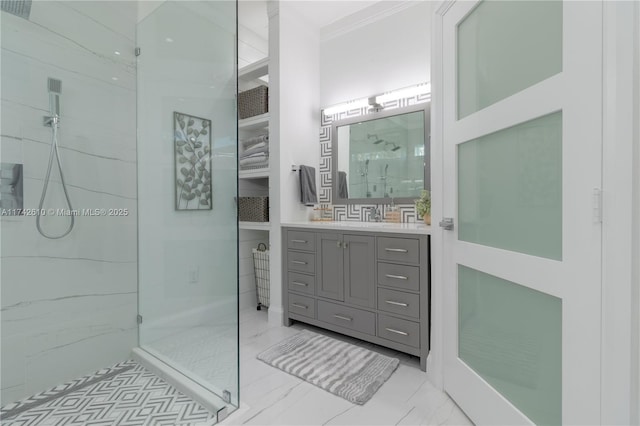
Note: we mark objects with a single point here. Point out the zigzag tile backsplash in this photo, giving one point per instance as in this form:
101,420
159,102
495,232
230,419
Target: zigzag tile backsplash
357,212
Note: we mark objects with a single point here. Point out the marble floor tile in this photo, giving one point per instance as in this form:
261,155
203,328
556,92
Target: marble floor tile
271,397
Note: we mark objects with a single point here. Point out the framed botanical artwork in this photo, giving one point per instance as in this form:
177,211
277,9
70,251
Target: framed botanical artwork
192,147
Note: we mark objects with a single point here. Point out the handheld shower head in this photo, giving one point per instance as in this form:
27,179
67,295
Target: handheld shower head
55,89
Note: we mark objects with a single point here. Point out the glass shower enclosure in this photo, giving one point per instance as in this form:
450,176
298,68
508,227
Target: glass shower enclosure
144,93
187,184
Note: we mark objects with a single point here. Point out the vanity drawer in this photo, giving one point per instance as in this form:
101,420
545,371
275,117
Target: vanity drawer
400,276
301,283
399,302
399,330
302,305
351,318
301,262
301,240
405,250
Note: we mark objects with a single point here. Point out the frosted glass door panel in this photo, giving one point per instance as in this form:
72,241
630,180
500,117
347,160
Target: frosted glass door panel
510,188
505,47
511,336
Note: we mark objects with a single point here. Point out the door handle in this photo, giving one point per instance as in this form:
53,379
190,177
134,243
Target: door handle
299,241
300,284
298,262
297,305
395,250
446,223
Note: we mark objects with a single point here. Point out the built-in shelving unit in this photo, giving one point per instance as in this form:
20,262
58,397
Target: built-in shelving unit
254,174
254,123
255,226
255,70
254,182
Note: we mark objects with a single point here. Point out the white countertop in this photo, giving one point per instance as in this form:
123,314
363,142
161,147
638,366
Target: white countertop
398,228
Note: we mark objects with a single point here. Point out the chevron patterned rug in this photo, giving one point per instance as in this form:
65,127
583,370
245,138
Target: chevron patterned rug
348,371
123,395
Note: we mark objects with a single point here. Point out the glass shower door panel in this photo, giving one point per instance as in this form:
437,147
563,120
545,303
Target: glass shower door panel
187,139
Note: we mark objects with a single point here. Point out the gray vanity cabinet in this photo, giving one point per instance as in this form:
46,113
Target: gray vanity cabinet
370,285
346,266
359,270
330,278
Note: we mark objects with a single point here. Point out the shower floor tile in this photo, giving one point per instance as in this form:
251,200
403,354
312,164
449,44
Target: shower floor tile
123,395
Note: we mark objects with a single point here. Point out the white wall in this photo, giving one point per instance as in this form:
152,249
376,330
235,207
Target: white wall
69,305
294,102
382,53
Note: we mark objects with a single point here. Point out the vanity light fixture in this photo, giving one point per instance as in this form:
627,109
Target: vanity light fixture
346,106
406,92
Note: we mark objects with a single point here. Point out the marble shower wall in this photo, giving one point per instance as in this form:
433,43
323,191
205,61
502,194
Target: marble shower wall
357,212
68,306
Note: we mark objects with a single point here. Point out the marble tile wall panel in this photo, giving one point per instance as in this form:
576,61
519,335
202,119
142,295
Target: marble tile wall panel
69,303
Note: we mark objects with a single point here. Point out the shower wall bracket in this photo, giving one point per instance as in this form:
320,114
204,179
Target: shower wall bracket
48,120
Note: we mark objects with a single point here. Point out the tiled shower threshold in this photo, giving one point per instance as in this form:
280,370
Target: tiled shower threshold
124,394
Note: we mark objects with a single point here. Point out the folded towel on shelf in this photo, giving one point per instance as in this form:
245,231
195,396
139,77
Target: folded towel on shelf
247,143
343,186
252,166
256,149
256,158
308,195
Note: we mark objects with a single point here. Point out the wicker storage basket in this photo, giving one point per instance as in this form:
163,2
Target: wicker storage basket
261,268
253,209
253,102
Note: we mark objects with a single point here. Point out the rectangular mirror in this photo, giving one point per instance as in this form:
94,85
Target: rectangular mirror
381,156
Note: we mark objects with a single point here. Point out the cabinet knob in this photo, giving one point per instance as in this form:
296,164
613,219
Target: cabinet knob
338,244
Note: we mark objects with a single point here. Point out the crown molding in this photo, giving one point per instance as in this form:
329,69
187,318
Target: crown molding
444,7
364,17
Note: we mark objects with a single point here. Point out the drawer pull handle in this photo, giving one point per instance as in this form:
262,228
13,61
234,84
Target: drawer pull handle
397,277
397,331
343,318
299,241
297,305
396,250
298,262
300,284
391,302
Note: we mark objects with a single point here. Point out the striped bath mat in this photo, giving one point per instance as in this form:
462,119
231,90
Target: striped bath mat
346,370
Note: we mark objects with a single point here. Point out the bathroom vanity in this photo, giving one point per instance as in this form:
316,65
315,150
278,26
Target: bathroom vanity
361,279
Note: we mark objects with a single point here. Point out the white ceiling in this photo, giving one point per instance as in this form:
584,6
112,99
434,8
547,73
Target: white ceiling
321,13
253,31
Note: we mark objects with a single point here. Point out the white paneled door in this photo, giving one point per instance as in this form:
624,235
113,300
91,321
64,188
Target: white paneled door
522,150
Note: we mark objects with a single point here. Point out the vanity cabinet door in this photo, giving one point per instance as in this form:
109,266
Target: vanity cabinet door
359,270
330,266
